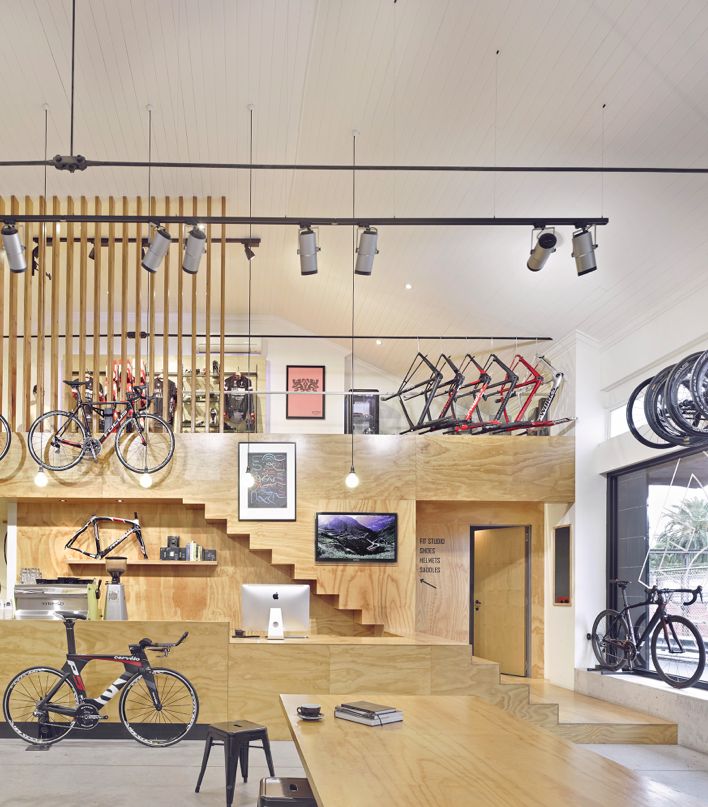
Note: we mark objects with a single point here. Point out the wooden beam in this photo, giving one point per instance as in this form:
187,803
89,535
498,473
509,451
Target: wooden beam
110,298
193,325
166,324
208,375
151,311
40,375
12,331
124,303
180,323
69,308
97,266
54,402
138,288
2,321
27,279
83,272
222,318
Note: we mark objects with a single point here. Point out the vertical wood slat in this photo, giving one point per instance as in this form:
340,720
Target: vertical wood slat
166,327
180,323
12,346
222,319
2,322
40,375
208,375
124,304
69,309
151,309
193,342
110,298
138,285
54,402
27,384
83,271
97,266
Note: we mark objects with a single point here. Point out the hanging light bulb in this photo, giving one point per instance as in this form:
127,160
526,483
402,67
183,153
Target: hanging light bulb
352,480
145,480
249,478
41,480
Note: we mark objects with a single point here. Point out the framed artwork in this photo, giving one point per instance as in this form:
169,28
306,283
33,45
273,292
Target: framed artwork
356,537
361,411
305,378
272,497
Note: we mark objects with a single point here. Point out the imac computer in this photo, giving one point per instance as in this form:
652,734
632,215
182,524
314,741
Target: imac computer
275,608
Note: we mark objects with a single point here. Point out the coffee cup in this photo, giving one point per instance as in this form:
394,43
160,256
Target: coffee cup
309,710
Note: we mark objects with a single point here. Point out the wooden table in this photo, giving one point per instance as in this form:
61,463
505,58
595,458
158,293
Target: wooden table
457,751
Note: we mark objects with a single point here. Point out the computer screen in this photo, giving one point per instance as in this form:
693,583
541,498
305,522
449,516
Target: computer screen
257,599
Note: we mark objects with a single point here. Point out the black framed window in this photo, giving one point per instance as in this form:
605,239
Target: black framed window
658,534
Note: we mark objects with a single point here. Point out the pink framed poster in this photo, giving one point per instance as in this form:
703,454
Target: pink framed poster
305,378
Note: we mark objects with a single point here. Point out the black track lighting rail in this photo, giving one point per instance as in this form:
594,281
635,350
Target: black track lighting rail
314,221
254,241
80,163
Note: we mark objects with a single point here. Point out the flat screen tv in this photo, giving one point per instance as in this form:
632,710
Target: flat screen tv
356,537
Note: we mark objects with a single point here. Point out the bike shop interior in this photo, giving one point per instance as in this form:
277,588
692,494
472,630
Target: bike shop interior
353,380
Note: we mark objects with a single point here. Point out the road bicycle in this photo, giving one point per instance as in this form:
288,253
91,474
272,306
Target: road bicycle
94,523
157,706
5,437
144,442
677,647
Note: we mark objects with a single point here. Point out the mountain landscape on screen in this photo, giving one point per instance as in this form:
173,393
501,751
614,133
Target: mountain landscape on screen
344,537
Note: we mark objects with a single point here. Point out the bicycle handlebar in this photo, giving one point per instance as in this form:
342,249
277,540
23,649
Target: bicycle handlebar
148,644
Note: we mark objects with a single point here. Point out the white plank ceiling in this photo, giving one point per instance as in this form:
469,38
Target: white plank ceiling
420,80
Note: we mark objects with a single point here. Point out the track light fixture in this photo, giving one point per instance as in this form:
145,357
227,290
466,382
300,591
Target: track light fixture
308,249
14,249
366,251
584,251
157,250
193,250
545,246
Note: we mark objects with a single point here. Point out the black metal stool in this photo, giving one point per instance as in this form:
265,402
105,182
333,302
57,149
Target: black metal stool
236,737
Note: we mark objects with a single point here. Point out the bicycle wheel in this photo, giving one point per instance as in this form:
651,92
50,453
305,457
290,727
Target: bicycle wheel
609,634
657,414
636,419
699,383
148,447
679,398
5,437
56,440
168,725
679,653
20,705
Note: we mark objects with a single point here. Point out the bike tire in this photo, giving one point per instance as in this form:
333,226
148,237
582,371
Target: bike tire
5,437
39,439
163,438
699,383
657,414
679,681
616,627
679,398
636,419
149,722
13,712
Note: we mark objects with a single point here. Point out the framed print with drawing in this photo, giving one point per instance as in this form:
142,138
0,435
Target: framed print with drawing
272,497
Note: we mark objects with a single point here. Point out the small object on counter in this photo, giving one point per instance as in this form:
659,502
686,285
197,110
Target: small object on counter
115,608
182,553
209,554
173,540
169,553
7,611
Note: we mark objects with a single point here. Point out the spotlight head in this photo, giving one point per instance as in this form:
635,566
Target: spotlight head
366,251
157,250
250,254
193,250
542,251
92,253
584,251
14,249
308,249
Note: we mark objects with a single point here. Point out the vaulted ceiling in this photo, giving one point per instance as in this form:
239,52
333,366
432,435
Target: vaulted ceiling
420,80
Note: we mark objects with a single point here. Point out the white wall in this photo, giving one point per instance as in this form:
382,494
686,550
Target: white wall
559,655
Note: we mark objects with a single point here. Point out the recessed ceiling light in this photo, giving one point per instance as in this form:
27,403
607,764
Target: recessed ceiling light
408,287
379,342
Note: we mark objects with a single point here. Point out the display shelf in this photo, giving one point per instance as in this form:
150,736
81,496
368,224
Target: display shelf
140,562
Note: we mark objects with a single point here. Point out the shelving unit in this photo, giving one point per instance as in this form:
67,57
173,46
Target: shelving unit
140,562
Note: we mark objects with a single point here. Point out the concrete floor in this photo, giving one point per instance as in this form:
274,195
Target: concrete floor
122,773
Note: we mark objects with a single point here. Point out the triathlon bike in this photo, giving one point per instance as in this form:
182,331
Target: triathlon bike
5,437
144,442
157,706
677,647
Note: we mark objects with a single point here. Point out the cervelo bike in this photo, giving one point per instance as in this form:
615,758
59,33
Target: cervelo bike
144,442
677,647
157,706
5,437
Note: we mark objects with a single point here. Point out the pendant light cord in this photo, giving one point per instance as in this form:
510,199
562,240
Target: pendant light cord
73,64
351,389
250,283
150,276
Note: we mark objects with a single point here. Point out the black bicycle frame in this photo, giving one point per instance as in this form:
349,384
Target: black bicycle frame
94,521
659,616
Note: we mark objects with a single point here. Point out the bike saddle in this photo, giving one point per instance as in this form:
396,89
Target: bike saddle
76,383
620,583
66,615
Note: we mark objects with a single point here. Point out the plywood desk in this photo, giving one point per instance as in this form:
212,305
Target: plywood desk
457,750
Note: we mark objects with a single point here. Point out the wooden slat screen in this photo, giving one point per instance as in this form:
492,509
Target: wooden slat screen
31,232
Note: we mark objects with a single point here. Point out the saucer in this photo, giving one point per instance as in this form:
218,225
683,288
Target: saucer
312,719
